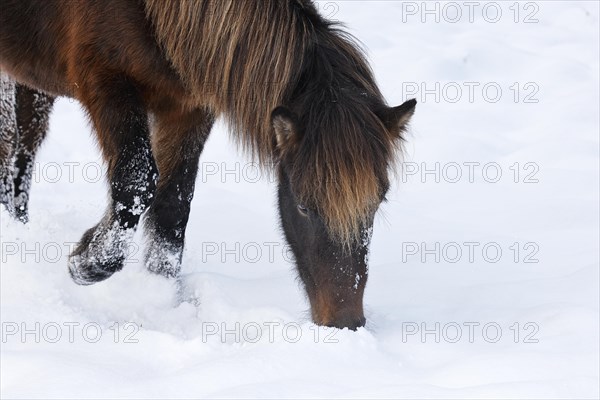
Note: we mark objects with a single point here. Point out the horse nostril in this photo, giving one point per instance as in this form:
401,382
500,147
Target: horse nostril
329,311
350,321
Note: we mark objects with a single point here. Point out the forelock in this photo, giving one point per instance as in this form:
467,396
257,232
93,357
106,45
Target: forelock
340,166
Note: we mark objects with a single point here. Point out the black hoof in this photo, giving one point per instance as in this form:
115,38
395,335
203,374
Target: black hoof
100,253
85,272
21,208
164,259
21,213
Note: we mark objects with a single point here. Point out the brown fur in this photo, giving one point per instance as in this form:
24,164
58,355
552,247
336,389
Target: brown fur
245,63
235,59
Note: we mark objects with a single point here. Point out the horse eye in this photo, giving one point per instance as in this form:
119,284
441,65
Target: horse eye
303,210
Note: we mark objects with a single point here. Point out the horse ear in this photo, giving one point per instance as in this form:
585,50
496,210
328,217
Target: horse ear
284,124
396,118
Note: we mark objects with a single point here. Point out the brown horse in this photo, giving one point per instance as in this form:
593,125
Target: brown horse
153,75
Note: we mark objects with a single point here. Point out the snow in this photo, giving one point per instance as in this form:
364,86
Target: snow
527,317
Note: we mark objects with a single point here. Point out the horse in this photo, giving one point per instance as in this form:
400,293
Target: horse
296,90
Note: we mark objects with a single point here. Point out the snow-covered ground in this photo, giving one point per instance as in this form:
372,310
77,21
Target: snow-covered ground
481,285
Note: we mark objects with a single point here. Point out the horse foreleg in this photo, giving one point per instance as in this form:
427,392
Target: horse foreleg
33,112
121,124
178,141
8,141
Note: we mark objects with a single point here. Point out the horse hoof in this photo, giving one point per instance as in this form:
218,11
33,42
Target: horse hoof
101,252
163,259
21,214
85,273
21,210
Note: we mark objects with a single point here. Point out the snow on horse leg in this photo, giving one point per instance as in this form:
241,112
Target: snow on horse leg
32,116
8,141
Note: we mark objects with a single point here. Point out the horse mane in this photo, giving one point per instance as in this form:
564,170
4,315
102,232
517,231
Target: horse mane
244,58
